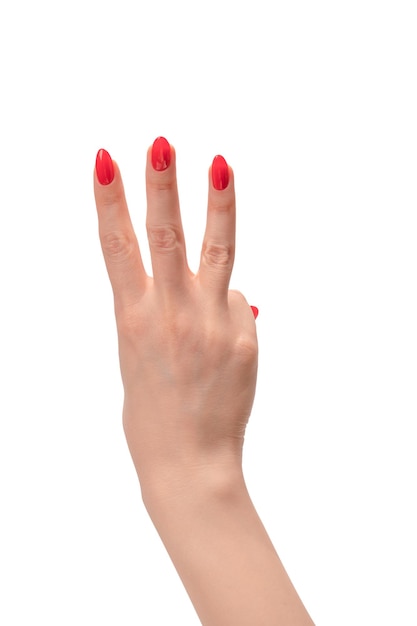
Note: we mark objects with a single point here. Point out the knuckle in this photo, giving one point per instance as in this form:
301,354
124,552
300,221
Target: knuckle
246,349
127,324
117,246
112,198
132,324
218,255
222,204
160,182
163,238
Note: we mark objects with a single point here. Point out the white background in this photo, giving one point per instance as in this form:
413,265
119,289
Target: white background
314,105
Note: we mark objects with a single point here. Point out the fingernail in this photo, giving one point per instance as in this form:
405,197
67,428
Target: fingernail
161,154
104,167
219,173
255,311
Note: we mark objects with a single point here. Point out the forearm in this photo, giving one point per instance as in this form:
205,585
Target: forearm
222,552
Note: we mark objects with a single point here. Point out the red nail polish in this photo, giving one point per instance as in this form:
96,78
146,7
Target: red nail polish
161,154
255,311
104,167
219,173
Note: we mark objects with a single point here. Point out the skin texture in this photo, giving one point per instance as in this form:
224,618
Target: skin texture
188,358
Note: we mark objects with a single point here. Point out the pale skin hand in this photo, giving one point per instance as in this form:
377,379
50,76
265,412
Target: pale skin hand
188,357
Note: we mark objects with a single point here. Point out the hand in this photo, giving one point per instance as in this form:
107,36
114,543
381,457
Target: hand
187,344
188,356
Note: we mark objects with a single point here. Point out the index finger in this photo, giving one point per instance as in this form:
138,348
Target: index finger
117,237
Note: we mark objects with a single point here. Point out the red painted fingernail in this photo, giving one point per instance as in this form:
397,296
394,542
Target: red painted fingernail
219,173
161,154
104,167
255,311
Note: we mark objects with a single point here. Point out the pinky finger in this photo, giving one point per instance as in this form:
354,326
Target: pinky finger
255,311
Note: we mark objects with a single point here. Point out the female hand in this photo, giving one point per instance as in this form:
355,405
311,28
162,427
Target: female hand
188,356
187,344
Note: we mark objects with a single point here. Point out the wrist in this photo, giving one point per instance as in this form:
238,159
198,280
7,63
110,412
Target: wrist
190,485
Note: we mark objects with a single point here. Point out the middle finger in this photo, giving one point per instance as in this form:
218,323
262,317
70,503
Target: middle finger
163,220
